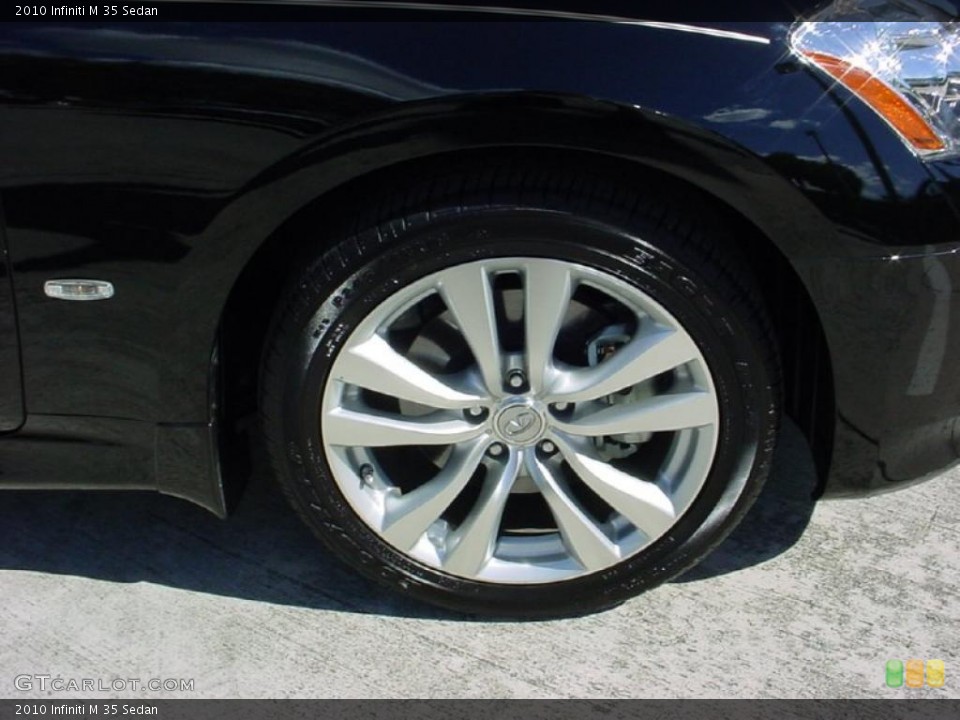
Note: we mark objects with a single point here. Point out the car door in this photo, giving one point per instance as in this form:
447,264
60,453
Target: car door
11,395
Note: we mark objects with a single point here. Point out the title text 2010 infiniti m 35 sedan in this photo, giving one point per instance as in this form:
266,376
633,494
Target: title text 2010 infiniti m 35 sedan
518,296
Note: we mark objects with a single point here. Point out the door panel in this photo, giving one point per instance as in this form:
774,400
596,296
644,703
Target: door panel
11,396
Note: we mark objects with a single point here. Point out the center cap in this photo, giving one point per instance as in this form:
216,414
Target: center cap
519,424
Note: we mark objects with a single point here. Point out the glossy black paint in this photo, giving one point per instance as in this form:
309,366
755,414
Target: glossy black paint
165,157
11,395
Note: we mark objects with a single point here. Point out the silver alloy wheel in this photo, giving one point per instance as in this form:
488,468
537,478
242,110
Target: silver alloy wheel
520,420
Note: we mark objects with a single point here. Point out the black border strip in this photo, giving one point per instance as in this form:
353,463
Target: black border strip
691,11
485,709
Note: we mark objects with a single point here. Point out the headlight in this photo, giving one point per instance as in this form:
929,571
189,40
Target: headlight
908,72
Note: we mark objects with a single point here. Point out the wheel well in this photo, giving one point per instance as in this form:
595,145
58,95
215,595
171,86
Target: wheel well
245,322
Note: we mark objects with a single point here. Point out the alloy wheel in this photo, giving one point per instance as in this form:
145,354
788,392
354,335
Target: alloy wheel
519,420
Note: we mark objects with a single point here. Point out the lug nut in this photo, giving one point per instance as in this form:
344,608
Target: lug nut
475,413
560,406
366,475
516,380
495,450
548,447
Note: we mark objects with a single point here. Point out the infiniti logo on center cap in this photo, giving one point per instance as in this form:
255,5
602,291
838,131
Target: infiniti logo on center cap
519,425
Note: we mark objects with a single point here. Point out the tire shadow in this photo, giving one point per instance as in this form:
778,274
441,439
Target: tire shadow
777,519
264,553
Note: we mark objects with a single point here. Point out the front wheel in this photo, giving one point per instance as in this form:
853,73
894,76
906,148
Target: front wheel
522,407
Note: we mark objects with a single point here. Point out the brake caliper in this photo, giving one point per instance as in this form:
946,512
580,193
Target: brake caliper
601,348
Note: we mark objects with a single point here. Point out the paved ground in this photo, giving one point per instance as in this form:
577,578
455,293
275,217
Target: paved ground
793,605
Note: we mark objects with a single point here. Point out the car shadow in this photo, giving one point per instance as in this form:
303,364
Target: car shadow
264,553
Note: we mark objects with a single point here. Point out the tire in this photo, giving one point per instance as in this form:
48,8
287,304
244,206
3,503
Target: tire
438,462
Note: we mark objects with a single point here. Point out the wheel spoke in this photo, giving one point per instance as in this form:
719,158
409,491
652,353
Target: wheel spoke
658,414
408,516
467,293
376,366
474,542
581,535
547,289
375,429
642,503
642,358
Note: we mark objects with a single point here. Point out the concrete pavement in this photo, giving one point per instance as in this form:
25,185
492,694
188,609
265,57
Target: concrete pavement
802,601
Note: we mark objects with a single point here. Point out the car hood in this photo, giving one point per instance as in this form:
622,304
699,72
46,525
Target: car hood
614,10
699,12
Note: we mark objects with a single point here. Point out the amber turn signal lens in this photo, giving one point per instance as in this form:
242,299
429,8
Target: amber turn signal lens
883,99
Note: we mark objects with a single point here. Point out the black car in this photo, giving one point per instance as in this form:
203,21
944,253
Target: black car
518,296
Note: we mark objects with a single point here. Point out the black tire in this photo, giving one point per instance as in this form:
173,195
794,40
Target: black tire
671,247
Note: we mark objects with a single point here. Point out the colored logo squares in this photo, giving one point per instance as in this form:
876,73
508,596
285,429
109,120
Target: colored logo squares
936,673
894,673
912,673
